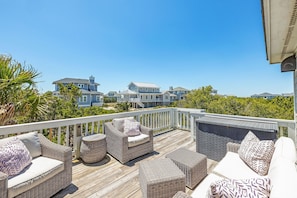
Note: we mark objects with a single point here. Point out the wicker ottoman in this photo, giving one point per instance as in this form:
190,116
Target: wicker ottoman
160,178
93,148
194,165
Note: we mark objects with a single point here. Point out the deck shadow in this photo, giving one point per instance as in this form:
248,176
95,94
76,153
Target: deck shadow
143,157
71,189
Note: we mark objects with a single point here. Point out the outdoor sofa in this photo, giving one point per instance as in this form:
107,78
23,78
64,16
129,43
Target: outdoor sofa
281,177
48,167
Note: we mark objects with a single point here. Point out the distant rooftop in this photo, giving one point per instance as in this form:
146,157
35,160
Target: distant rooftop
74,80
179,89
148,85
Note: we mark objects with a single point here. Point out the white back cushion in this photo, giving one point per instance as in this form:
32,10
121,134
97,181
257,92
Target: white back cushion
31,141
285,148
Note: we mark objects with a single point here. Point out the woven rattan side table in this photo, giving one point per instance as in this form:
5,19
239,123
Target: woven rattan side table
160,178
193,165
93,148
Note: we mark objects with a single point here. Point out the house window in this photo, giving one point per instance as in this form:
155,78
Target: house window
97,98
83,98
80,85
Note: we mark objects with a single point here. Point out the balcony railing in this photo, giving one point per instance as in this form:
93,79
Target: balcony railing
69,131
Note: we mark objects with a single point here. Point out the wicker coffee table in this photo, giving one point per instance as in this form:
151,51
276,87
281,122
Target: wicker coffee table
193,165
160,178
93,148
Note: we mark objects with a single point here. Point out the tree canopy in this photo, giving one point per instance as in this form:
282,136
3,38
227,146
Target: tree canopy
203,98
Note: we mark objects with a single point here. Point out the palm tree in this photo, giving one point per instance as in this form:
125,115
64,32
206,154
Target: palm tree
19,96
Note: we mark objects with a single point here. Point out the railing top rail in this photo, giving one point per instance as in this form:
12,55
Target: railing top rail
19,128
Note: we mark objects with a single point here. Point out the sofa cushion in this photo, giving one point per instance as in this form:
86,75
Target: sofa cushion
137,140
285,148
256,154
283,176
14,157
31,141
232,167
131,128
118,123
41,169
254,187
202,190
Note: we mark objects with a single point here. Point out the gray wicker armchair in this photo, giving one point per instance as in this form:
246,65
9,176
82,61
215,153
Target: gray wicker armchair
45,185
118,144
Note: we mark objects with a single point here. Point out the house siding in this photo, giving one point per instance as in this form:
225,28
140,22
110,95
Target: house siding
88,87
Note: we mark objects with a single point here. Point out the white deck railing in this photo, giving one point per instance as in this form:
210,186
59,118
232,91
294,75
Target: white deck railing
69,131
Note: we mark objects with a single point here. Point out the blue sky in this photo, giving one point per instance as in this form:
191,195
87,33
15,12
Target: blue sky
190,43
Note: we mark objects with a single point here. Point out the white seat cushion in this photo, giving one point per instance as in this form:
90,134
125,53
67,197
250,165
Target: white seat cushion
41,169
137,140
232,167
202,190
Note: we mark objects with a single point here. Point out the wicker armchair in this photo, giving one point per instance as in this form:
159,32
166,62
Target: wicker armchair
45,185
118,146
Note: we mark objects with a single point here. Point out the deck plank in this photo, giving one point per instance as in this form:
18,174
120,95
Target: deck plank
110,179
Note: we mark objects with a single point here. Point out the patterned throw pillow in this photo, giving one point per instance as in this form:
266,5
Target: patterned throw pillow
131,128
255,153
14,157
231,188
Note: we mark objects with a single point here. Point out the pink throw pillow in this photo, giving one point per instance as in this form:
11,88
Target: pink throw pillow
14,157
131,128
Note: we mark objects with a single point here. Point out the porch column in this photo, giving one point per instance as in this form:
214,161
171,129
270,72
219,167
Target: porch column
293,135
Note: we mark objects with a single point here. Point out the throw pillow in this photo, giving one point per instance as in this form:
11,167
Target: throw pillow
118,123
14,157
131,128
231,188
256,154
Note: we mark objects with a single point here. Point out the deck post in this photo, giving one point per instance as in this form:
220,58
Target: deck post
295,104
192,126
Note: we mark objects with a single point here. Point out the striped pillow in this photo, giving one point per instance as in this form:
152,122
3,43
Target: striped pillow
256,154
14,157
231,188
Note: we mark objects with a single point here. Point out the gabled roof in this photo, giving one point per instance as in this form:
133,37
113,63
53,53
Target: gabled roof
265,94
179,89
73,80
147,85
127,92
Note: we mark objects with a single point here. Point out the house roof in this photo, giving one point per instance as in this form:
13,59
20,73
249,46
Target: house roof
265,94
179,89
147,85
83,91
127,92
279,22
74,80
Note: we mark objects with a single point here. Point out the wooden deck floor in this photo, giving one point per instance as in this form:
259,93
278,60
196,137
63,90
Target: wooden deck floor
109,178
